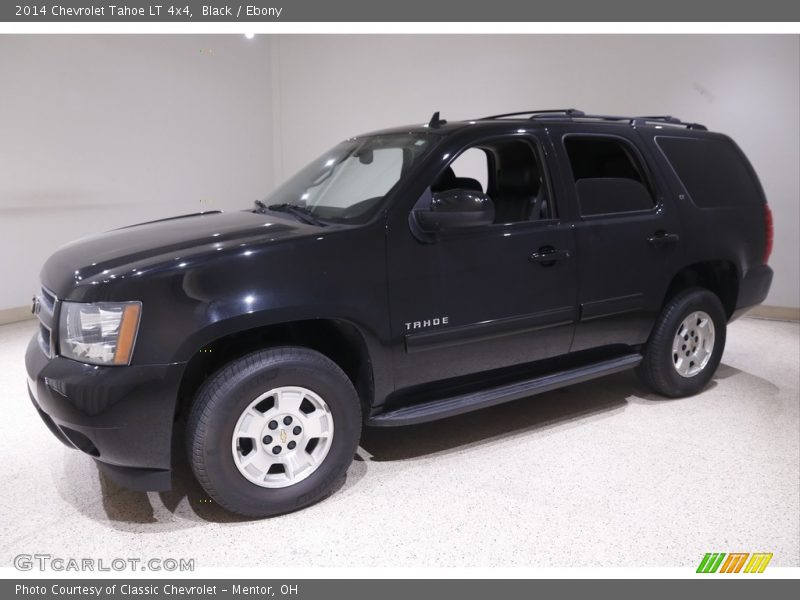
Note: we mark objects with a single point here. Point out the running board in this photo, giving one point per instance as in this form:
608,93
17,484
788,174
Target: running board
456,405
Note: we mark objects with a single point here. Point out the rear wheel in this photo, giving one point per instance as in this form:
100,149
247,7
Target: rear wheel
686,345
274,431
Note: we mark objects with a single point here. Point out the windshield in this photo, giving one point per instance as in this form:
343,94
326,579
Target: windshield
348,183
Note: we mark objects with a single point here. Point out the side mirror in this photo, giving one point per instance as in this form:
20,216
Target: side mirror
456,209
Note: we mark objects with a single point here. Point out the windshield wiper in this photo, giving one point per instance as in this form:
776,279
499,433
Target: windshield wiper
301,212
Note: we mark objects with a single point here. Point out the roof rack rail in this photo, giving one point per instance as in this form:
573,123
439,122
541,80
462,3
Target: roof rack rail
670,120
567,112
573,113
636,121
665,118
582,115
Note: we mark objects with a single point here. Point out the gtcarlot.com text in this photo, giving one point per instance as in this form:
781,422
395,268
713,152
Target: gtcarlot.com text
48,562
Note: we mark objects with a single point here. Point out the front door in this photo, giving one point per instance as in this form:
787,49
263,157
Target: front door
490,296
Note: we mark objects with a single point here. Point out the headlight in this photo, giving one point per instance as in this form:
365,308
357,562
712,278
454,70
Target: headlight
102,333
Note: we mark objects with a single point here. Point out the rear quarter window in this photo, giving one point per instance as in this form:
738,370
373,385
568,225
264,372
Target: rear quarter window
713,171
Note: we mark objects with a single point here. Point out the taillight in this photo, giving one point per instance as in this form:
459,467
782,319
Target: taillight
770,232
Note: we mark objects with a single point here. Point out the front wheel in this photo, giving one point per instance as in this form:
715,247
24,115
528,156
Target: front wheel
274,431
686,345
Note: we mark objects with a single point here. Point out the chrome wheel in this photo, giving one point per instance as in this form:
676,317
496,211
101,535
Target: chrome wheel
282,437
693,344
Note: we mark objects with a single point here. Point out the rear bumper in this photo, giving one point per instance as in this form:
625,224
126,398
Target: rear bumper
753,289
121,416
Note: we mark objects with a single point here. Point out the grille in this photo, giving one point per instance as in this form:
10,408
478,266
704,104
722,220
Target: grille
49,299
46,339
48,305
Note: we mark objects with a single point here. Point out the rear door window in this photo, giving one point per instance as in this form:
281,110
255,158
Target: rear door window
609,177
713,171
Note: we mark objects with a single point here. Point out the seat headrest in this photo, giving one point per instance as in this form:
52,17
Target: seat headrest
448,181
468,183
517,179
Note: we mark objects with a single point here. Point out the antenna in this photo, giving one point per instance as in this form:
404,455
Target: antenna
435,121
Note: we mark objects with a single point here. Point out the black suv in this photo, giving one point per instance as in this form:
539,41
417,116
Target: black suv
406,275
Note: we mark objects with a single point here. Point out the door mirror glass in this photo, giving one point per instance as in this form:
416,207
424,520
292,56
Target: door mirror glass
455,209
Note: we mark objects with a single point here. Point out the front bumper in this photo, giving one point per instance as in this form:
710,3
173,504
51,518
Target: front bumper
121,416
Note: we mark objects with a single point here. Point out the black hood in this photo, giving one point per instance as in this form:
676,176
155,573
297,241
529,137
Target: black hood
130,249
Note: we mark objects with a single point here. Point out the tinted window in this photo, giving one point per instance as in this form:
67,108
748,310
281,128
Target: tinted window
602,157
608,176
712,171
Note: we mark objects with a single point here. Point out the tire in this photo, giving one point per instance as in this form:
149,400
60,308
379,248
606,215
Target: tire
227,410
678,367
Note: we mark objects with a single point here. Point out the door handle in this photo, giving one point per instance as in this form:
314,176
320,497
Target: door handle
662,238
548,256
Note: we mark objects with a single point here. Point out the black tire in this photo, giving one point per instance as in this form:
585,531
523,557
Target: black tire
225,395
657,369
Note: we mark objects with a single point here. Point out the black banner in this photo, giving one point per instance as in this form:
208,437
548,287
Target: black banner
403,589
408,10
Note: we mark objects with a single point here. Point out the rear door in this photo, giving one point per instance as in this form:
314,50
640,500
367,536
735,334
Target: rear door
628,235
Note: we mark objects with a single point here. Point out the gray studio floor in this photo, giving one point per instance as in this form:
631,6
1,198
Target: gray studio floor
599,474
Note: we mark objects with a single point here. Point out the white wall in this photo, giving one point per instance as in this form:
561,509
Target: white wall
104,131
99,131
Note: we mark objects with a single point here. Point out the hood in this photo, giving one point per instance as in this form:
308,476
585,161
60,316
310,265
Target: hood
110,254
